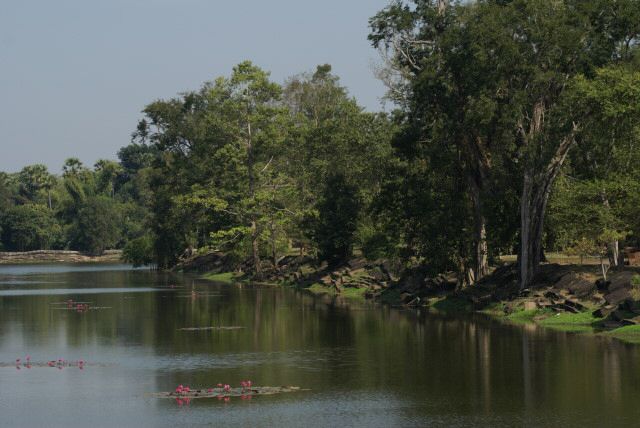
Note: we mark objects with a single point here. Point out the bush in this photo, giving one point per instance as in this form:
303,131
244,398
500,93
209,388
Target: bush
29,227
139,251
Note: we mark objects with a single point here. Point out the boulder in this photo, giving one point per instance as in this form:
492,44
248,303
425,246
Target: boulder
631,305
618,295
562,307
631,321
578,284
530,305
604,311
619,315
575,304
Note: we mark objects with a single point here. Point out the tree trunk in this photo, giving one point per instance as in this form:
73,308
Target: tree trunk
533,205
255,249
255,233
536,188
481,264
614,254
274,245
442,6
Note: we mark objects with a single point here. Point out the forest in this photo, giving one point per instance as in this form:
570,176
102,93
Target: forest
515,130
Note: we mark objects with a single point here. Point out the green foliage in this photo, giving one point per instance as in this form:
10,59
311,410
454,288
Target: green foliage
29,227
139,251
96,226
333,229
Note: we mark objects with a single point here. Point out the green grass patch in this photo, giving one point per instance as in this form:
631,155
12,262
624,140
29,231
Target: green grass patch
226,277
347,292
494,310
629,333
579,323
524,317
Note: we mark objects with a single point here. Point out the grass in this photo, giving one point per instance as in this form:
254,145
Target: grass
581,322
629,333
524,317
347,292
226,277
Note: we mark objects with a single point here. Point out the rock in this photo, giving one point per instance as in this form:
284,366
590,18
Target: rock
604,311
579,284
358,263
414,302
619,315
611,324
631,305
631,321
551,295
603,285
617,296
543,303
575,304
405,297
565,308
525,293
530,305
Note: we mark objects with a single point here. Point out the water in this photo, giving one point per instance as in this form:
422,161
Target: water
365,365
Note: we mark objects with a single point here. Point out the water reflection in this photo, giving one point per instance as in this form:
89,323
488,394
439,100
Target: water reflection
365,365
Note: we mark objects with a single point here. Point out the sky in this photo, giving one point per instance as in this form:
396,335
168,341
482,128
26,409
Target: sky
75,74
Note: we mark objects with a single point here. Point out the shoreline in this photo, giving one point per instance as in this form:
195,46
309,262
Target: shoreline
570,299
58,256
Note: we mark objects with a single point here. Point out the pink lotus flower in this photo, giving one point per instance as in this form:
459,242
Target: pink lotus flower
227,388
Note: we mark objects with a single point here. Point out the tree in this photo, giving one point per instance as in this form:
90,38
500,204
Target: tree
96,226
508,65
29,227
221,147
333,227
107,174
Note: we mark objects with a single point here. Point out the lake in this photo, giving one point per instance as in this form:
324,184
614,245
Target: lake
365,365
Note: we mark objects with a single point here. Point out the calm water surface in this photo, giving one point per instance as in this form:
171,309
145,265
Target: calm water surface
365,366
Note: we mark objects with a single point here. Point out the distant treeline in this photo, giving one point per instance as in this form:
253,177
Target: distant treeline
516,130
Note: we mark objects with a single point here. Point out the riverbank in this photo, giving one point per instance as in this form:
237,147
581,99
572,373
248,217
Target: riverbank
570,298
58,256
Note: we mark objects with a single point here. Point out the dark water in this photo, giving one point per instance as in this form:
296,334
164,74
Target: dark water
365,366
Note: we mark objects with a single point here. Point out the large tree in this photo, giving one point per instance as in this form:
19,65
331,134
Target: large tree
490,76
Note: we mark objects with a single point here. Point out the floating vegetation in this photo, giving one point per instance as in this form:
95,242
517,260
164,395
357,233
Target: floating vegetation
83,309
183,394
59,364
210,328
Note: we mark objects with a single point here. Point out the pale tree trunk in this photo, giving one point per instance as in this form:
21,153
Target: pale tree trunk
536,189
255,233
613,246
274,245
442,6
481,264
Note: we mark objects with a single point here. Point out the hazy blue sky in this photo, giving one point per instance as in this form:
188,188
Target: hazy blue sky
74,74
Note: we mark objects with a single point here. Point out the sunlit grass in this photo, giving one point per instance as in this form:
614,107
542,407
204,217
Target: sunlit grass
226,277
347,292
630,334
